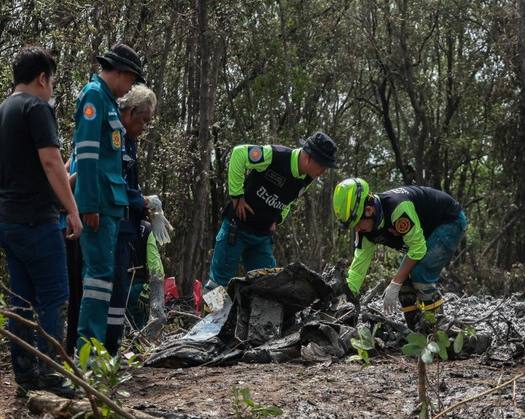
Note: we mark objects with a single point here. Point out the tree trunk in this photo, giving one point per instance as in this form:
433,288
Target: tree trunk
197,241
159,84
520,233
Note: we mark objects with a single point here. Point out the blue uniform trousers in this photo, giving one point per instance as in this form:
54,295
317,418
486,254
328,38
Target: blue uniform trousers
256,252
121,284
441,246
98,254
36,262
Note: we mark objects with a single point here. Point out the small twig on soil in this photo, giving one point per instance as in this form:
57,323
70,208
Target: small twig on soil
499,379
116,408
399,360
50,405
182,313
344,315
492,390
139,334
514,394
319,312
14,294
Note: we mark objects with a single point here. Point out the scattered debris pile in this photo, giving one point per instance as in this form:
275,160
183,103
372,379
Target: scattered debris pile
295,314
499,325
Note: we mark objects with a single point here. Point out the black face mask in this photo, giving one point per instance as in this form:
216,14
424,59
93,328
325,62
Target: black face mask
378,213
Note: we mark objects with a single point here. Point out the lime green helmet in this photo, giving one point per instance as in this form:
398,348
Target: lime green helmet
349,200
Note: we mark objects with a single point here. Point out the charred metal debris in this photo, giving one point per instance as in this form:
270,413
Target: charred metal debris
297,315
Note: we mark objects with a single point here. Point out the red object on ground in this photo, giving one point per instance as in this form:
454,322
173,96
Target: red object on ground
197,295
171,292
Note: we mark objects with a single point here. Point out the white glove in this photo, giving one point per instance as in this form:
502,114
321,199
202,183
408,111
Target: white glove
153,203
161,227
391,298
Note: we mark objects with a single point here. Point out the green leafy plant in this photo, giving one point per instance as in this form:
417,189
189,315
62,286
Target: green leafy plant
245,408
429,348
363,344
103,371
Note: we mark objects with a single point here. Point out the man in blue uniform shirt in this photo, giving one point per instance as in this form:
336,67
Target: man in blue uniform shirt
100,190
137,108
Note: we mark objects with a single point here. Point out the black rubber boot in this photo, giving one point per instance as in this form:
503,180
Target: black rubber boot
408,299
411,319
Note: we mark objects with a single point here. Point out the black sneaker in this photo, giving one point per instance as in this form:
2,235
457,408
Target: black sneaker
24,387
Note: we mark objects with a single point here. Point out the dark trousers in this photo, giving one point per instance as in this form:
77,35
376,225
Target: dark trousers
119,296
74,270
36,260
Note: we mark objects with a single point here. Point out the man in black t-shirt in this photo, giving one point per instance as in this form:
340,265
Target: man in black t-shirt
33,181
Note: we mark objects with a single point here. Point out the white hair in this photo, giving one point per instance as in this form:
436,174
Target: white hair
140,98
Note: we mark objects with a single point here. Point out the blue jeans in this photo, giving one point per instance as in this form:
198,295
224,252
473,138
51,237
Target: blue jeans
256,253
441,246
36,260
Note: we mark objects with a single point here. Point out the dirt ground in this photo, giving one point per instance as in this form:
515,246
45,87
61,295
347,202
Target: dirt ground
341,390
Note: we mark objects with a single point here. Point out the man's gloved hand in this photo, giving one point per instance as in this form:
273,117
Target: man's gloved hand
391,297
160,225
153,203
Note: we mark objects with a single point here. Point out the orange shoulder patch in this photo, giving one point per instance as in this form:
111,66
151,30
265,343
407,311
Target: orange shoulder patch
255,154
89,111
403,225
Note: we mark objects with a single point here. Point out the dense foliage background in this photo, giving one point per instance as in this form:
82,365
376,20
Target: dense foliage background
428,92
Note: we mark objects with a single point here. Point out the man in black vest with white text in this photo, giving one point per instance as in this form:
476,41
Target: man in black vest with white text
261,199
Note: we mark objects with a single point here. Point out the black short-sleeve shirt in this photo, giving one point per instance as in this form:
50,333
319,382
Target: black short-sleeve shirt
27,123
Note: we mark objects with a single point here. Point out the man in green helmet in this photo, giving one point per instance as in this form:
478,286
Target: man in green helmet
426,223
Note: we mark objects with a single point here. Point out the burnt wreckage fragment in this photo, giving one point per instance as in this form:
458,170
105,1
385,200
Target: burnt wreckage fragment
280,315
274,314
